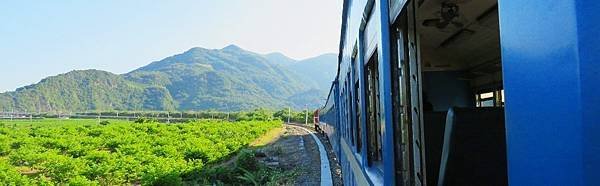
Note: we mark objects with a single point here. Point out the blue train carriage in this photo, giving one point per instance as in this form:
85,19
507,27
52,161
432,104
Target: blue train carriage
467,92
328,119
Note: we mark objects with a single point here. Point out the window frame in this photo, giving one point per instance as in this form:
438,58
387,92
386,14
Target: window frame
373,130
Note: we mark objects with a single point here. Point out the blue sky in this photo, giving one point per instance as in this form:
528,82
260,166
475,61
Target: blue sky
44,38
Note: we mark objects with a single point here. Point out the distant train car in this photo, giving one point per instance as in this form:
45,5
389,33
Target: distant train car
467,92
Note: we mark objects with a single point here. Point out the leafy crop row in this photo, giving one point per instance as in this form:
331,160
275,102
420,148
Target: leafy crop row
83,152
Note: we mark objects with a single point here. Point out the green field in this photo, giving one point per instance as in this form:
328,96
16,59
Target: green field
87,152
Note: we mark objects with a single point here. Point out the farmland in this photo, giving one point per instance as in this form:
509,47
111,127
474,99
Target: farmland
89,152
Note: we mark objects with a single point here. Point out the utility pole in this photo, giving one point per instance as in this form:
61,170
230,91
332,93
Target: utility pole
289,114
227,107
306,115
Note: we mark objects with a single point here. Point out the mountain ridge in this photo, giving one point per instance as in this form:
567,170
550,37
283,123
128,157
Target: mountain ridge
229,78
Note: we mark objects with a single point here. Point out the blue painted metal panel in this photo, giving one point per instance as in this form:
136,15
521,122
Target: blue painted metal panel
588,30
363,106
550,60
385,91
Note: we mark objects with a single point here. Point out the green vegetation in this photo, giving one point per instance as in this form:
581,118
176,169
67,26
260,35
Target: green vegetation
88,152
87,90
230,79
295,116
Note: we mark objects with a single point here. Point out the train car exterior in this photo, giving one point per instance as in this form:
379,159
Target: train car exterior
414,75
328,119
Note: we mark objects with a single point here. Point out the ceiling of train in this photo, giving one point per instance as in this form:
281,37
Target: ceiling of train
466,38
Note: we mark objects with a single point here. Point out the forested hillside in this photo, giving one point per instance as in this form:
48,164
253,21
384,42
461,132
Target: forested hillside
199,79
86,90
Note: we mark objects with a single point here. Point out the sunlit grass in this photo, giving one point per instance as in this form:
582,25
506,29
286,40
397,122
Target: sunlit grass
268,137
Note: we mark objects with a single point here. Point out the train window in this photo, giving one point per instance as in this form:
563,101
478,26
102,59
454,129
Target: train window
490,99
345,112
374,136
400,97
348,109
487,103
486,95
357,106
502,96
342,114
350,106
485,99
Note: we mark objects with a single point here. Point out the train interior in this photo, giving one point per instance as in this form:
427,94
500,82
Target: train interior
462,93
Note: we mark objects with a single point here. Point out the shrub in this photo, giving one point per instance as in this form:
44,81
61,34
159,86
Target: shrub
145,120
195,154
104,122
167,179
247,160
81,181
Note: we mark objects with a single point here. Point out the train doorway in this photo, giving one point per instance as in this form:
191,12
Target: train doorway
448,94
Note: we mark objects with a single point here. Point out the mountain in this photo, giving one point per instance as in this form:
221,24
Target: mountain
230,78
280,58
86,90
316,69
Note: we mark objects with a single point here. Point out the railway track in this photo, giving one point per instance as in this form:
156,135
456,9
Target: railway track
329,169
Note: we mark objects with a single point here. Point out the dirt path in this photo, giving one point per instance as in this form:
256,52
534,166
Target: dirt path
296,150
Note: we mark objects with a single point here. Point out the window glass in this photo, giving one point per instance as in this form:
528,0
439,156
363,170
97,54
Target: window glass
359,121
374,136
487,95
487,103
357,140
490,99
502,95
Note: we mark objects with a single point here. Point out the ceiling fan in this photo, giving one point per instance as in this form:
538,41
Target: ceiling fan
449,14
